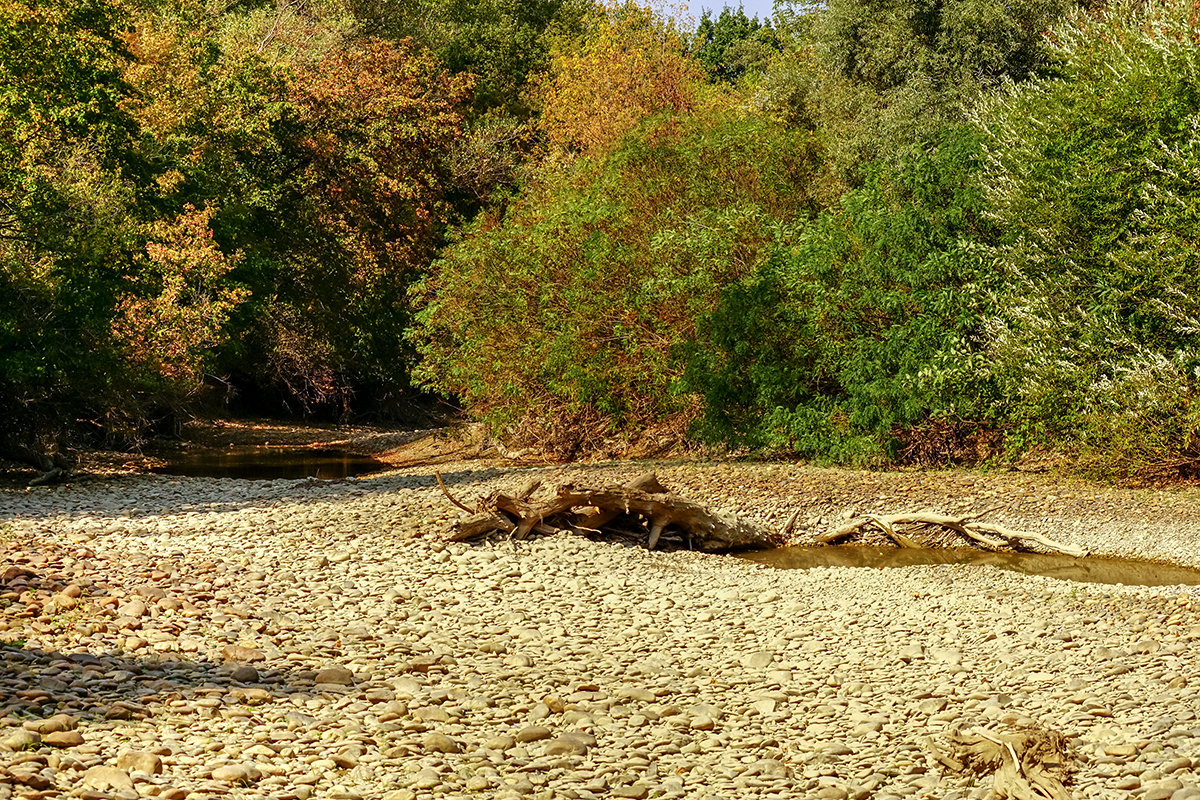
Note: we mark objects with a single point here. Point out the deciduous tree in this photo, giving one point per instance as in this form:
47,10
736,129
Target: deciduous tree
629,64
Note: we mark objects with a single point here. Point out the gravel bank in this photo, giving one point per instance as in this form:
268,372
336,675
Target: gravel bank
205,638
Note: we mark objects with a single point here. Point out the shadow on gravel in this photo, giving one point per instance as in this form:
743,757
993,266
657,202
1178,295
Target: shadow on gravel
49,599
133,497
35,684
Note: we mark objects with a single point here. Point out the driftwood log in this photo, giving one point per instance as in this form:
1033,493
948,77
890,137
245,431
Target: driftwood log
1030,763
979,534
642,509
645,510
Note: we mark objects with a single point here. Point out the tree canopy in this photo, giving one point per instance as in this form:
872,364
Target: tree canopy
868,231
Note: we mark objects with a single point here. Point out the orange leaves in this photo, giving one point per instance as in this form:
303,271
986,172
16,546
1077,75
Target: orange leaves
376,116
629,64
167,332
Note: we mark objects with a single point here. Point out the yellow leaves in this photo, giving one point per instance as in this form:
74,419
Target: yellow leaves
168,328
629,65
165,69
170,181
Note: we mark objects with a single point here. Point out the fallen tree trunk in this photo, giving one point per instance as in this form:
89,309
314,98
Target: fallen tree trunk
52,464
643,509
988,536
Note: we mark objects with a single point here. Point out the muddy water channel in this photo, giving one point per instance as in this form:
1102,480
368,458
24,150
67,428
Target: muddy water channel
269,463
1089,570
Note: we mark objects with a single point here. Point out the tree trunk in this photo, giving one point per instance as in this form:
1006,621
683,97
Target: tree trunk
643,508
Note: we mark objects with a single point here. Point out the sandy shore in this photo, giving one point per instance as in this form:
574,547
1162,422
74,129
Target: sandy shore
296,639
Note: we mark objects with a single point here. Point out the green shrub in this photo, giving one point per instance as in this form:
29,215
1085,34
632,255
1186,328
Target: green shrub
863,325
876,76
67,149
562,318
1093,180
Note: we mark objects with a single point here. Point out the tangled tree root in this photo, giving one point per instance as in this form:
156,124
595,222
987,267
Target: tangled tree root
1030,763
642,510
979,534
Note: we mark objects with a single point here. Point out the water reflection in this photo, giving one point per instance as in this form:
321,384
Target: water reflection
1088,570
270,463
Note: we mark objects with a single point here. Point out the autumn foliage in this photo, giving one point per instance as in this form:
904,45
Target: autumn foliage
862,231
180,313
630,63
376,115
186,194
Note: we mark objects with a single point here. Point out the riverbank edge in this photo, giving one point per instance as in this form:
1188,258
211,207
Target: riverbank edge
1156,524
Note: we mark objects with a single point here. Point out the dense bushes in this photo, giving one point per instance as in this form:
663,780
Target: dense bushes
864,233
822,322
867,322
66,145
882,75
1093,179
992,228
184,191
566,314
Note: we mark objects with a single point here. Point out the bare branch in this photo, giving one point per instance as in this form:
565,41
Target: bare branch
449,496
993,537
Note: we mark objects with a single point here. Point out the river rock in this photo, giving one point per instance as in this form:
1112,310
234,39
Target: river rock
63,739
440,743
533,733
1176,765
140,761
500,743
236,773
1159,793
931,706
759,660
58,722
253,696
245,674
802,682
570,744
339,676
426,778
20,740
134,609
236,652
105,778
28,775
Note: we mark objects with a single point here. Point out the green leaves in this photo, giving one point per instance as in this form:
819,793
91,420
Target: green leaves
572,308
502,42
857,327
734,45
883,75
1092,178
68,160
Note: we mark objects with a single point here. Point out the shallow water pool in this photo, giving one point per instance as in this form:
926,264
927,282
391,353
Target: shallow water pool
1089,570
269,463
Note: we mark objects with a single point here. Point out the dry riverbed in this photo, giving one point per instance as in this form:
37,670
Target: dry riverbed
199,638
